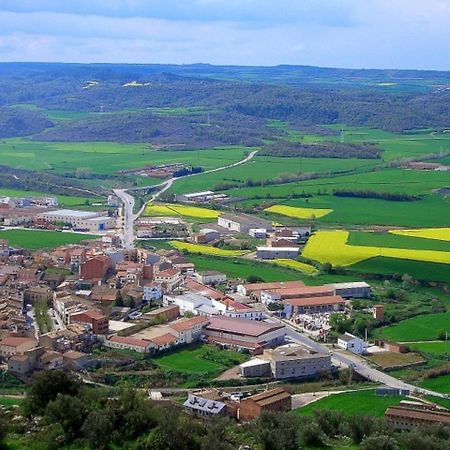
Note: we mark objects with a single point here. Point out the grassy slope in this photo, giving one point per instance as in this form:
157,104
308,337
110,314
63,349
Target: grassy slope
396,241
419,270
439,384
35,239
105,157
241,268
192,359
420,328
436,348
362,402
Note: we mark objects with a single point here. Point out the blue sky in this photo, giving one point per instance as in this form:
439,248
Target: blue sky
334,33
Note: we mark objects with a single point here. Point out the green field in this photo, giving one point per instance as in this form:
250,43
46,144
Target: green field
420,328
105,157
433,348
396,241
429,211
199,359
241,268
266,168
419,270
36,239
363,402
438,384
63,200
11,401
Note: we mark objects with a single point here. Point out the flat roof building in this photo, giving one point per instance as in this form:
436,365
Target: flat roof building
277,252
242,223
311,305
245,334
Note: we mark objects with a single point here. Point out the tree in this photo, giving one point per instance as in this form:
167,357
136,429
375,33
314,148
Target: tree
67,411
268,431
254,279
379,442
340,323
99,428
311,435
134,413
216,436
329,421
45,387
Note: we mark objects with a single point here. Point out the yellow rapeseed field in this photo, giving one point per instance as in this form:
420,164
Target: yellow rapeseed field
298,213
332,247
296,265
206,249
441,234
167,209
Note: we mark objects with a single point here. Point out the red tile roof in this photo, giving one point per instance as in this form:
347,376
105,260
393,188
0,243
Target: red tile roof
130,341
167,273
315,301
164,339
304,291
204,290
252,287
13,341
186,324
241,326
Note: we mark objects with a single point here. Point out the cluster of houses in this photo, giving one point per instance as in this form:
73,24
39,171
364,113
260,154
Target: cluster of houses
98,293
280,242
243,407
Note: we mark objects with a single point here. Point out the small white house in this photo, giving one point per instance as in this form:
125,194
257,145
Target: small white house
211,277
352,343
151,291
277,252
258,233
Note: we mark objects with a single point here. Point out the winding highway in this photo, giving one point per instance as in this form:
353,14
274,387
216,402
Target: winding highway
128,200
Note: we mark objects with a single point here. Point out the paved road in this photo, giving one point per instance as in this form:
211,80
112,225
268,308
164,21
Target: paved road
341,359
128,205
128,199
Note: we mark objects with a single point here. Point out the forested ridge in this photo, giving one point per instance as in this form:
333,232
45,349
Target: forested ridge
236,112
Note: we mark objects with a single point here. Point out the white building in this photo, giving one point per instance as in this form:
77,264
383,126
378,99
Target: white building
258,233
211,277
194,197
92,221
196,304
242,223
352,343
355,289
277,252
248,314
151,291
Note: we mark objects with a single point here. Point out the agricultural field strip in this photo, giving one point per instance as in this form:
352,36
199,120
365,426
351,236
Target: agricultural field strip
441,234
295,265
396,240
332,247
298,213
180,210
40,239
423,327
206,249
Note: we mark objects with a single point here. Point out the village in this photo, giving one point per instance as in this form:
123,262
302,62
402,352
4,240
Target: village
60,306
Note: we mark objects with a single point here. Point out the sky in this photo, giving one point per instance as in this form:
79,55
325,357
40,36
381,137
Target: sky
398,34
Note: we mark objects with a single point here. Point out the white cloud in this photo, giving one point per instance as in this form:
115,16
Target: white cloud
377,33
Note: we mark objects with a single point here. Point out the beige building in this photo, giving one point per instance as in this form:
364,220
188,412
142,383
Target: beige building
12,345
288,361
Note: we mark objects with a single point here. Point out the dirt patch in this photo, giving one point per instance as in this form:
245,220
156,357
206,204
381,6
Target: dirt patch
390,360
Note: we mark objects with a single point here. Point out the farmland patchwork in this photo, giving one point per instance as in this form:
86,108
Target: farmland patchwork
332,247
